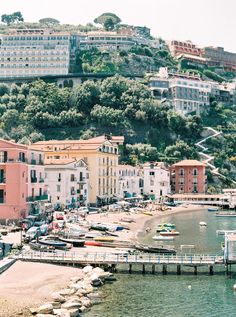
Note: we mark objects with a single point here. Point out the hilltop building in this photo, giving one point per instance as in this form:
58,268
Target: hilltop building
34,52
100,154
22,181
188,177
186,92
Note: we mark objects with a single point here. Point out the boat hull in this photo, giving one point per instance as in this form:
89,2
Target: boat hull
77,243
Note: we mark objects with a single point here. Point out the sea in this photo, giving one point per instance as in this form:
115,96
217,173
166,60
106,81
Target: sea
172,295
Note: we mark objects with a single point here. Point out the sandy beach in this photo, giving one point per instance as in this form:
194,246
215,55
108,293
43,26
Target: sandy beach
26,285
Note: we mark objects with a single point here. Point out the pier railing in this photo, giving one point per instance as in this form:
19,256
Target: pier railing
113,258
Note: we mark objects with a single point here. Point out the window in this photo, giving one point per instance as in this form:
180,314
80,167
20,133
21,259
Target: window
181,172
1,196
72,177
59,177
152,173
58,188
3,156
195,173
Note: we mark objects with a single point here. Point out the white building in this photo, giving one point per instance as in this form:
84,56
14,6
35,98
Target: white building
186,92
156,180
67,182
130,181
34,52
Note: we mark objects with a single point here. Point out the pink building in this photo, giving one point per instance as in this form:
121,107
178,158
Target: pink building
188,176
21,180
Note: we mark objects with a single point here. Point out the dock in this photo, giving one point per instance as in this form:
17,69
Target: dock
112,260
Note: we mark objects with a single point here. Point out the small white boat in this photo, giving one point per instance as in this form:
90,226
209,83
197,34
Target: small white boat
169,233
162,238
202,224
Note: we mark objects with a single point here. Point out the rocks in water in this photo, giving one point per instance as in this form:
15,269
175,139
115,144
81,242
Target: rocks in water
87,269
69,305
61,313
78,296
45,309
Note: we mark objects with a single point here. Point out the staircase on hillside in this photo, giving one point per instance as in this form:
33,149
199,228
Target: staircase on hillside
206,158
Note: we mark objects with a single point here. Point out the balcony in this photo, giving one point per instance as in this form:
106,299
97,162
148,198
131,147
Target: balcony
37,198
33,179
33,162
41,162
41,180
81,180
2,180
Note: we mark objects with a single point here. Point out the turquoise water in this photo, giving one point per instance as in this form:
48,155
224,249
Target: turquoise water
156,295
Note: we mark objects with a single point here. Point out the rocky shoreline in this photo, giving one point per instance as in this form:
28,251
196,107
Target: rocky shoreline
80,294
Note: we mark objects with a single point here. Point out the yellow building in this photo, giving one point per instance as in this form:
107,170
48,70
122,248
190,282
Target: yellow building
100,153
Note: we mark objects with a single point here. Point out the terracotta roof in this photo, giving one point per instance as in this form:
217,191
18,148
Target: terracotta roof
59,161
96,140
189,163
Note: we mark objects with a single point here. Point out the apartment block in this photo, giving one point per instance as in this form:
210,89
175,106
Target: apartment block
130,181
217,56
188,176
22,187
156,180
100,154
67,181
34,52
186,92
184,47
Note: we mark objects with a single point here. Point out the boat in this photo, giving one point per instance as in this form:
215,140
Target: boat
93,243
225,214
213,209
154,249
77,243
98,227
109,233
53,243
163,238
106,239
202,224
39,247
169,233
129,220
147,213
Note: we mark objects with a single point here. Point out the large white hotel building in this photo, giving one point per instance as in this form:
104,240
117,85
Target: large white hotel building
34,52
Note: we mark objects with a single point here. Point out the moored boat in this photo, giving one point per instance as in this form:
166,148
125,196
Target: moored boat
75,242
213,209
163,238
93,243
147,213
155,249
53,243
225,214
169,233
202,224
106,239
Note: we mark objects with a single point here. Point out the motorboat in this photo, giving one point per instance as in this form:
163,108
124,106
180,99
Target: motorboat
129,220
53,242
202,224
162,238
225,214
39,247
169,233
213,209
155,249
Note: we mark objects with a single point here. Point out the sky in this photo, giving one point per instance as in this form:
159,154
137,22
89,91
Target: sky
204,22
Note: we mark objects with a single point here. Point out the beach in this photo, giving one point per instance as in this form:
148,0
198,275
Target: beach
27,285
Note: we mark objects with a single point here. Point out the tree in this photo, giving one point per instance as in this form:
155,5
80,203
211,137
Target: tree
12,18
109,24
4,89
181,150
49,22
108,20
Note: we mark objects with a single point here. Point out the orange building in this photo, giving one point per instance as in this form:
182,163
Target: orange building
188,176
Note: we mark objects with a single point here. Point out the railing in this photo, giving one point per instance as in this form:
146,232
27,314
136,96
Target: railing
33,161
3,180
108,258
36,198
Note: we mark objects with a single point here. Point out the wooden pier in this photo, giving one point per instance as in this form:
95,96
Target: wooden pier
112,260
